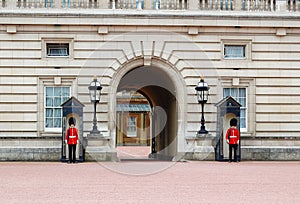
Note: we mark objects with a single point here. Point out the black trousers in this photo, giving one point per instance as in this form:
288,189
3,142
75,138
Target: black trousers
72,153
234,148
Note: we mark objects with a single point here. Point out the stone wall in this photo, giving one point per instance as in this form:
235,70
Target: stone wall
191,44
30,149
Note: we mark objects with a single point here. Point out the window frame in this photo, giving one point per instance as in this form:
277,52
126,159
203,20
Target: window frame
53,129
46,41
246,43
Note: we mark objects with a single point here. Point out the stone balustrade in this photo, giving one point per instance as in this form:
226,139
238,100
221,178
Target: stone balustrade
237,5
245,5
292,5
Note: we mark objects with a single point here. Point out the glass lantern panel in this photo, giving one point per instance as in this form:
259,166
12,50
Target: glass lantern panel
205,93
95,91
93,95
98,95
200,96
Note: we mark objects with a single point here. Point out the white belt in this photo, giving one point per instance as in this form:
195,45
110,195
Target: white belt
72,136
232,136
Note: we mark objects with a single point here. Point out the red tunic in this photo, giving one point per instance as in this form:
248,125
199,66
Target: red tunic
72,135
232,135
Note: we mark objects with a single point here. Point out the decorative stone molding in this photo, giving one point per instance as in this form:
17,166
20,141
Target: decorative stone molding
193,31
11,29
280,31
103,30
147,60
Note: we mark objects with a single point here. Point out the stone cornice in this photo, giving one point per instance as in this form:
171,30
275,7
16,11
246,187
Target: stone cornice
149,18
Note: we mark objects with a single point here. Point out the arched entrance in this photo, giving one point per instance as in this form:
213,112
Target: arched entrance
159,90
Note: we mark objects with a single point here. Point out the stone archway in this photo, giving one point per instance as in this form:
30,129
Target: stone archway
164,89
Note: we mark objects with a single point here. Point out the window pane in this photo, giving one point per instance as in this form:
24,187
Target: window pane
66,92
49,122
49,112
234,93
49,101
242,101
242,92
49,91
57,101
243,113
242,123
57,122
131,127
226,92
57,112
234,51
57,91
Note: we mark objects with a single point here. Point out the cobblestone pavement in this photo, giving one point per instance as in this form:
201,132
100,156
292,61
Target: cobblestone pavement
150,182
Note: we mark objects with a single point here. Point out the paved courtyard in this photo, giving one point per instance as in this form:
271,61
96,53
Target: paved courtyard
150,182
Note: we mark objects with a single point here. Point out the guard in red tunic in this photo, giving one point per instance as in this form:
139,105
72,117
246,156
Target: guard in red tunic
233,139
72,140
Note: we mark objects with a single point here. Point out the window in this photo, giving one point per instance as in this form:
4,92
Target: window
57,49
54,97
131,126
234,51
240,95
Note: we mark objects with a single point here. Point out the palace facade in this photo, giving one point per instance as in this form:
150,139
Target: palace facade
149,56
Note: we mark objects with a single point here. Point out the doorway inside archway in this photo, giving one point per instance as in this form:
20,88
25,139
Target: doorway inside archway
146,115
133,125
